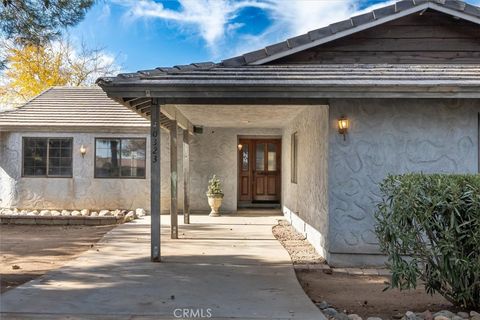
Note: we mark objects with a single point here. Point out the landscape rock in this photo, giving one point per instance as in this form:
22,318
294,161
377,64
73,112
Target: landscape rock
374,318
474,314
76,213
66,213
94,214
441,317
35,212
130,216
444,313
427,315
119,214
322,304
330,312
354,316
85,212
140,212
45,213
55,213
24,212
31,213
409,315
457,318
464,315
341,316
104,213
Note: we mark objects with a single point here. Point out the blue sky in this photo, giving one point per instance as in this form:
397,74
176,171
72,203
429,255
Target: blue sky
143,34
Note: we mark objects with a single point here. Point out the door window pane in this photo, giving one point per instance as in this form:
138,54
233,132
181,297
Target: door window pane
272,157
245,162
260,157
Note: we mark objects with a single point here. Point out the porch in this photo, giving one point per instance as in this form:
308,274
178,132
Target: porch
251,148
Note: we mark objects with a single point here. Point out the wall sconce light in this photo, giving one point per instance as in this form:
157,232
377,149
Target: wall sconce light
83,150
343,125
240,146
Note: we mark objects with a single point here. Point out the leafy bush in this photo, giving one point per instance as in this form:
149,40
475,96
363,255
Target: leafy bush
214,187
429,227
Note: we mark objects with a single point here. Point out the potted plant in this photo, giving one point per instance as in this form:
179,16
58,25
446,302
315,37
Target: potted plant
215,195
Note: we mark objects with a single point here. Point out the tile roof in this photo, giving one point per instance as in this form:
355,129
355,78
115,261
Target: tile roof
75,108
306,75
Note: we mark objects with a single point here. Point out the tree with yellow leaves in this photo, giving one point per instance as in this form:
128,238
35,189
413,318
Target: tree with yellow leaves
32,69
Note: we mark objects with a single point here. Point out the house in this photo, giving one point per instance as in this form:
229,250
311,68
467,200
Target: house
312,124
404,79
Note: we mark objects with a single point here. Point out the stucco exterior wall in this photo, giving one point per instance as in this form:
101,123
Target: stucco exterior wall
391,136
215,152
308,198
80,191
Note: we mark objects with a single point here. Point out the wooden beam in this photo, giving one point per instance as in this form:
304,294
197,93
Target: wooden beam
174,114
136,102
155,182
141,107
173,180
186,177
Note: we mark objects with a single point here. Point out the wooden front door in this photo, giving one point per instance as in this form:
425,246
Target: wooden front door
259,170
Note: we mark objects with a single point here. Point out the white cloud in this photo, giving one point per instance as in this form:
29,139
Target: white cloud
210,19
215,20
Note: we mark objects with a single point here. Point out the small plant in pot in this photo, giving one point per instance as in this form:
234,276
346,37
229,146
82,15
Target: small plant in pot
215,195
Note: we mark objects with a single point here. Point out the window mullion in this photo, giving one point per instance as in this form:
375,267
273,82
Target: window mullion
120,159
48,157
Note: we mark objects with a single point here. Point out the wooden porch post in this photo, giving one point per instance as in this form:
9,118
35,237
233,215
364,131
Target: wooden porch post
186,177
155,181
173,180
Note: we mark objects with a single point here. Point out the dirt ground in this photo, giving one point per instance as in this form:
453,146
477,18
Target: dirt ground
362,295
28,251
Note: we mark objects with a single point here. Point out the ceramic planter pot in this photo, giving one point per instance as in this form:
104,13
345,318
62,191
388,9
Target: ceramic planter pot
215,201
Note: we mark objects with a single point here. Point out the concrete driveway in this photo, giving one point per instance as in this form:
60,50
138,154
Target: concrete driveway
229,267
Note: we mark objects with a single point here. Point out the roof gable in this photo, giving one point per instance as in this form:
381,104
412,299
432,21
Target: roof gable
431,37
354,25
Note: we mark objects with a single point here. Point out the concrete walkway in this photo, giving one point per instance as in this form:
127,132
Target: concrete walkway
229,267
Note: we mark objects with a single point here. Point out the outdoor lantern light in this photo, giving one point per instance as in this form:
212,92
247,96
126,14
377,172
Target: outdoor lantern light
343,125
83,150
240,146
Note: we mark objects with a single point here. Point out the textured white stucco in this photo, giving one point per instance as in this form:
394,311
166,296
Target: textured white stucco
391,136
80,191
308,197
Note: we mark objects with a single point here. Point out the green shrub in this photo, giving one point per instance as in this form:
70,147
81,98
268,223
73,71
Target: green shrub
214,187
429,227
